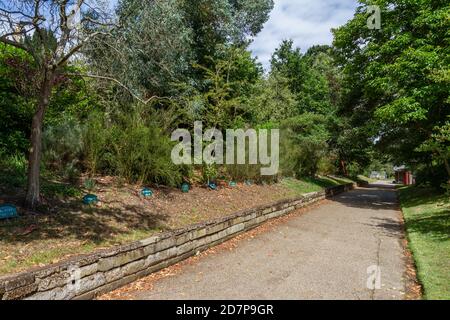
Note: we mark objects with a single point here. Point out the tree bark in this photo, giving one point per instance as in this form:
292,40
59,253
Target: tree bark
447,167
343,168
34,159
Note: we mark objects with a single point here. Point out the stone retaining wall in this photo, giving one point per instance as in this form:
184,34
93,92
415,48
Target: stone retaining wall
86,276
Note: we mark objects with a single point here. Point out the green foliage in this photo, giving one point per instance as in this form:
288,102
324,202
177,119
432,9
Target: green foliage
303,144
52,189
309,184
15,110
43,44
13,170
272,99
312,77
73,98
198,56
13,174
427,220
396,85
439,146
327,164
354,169
227,88
157,56
142,153
209,172
133,147
150,52
218,104
63,148
377,164
242,172
303,93
430,175
18,80
289,62
217,22
89,184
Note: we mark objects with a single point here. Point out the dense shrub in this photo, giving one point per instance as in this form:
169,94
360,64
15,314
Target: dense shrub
431,175
63,148
303,144
16,110
133,148
13,169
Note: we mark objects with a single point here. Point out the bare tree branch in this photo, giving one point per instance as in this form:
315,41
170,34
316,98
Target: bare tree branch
14,44
120,84
77,48
15,13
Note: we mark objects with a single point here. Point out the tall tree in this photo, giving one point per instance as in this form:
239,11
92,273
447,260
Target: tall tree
289,62
217,22
396,78
51,33
157,56
150,52
313,77
273,100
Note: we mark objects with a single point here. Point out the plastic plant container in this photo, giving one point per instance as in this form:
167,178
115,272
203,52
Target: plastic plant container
185,187
146,192
90,199
8,211
212,186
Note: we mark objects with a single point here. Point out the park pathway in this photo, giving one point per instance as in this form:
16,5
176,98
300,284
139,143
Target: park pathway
329,252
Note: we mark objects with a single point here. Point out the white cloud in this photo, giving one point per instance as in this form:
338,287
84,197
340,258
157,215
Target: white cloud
306,22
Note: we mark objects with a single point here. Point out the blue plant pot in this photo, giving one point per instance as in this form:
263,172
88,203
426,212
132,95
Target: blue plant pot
146,192
90,199
8,211
212,186
185,187
232,184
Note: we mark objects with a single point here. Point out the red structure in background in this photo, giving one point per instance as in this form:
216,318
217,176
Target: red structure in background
404,176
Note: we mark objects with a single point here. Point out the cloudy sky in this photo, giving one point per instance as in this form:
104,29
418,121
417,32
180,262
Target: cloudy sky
307,22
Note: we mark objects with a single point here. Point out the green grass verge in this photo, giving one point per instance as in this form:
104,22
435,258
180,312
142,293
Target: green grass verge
365,179
427,218
307,185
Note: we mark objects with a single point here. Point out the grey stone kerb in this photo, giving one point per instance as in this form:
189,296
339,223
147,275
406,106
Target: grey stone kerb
86,276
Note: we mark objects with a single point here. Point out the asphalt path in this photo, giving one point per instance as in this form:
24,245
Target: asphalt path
348,248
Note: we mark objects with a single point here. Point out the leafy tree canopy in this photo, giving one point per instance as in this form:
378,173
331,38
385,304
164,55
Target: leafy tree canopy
396,78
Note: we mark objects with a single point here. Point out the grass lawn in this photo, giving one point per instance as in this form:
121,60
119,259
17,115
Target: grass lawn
366,179
307,185
427,217
70,228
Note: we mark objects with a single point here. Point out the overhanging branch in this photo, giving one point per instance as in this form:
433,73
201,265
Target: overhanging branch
112,79
14,44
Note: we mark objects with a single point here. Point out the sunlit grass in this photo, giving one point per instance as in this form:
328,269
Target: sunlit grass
307,185
427,216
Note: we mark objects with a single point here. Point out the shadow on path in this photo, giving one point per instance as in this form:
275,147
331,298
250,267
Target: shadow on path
376,196
379,197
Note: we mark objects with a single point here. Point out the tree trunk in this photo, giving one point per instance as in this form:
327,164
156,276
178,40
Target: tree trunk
34,158
447,167
343,168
